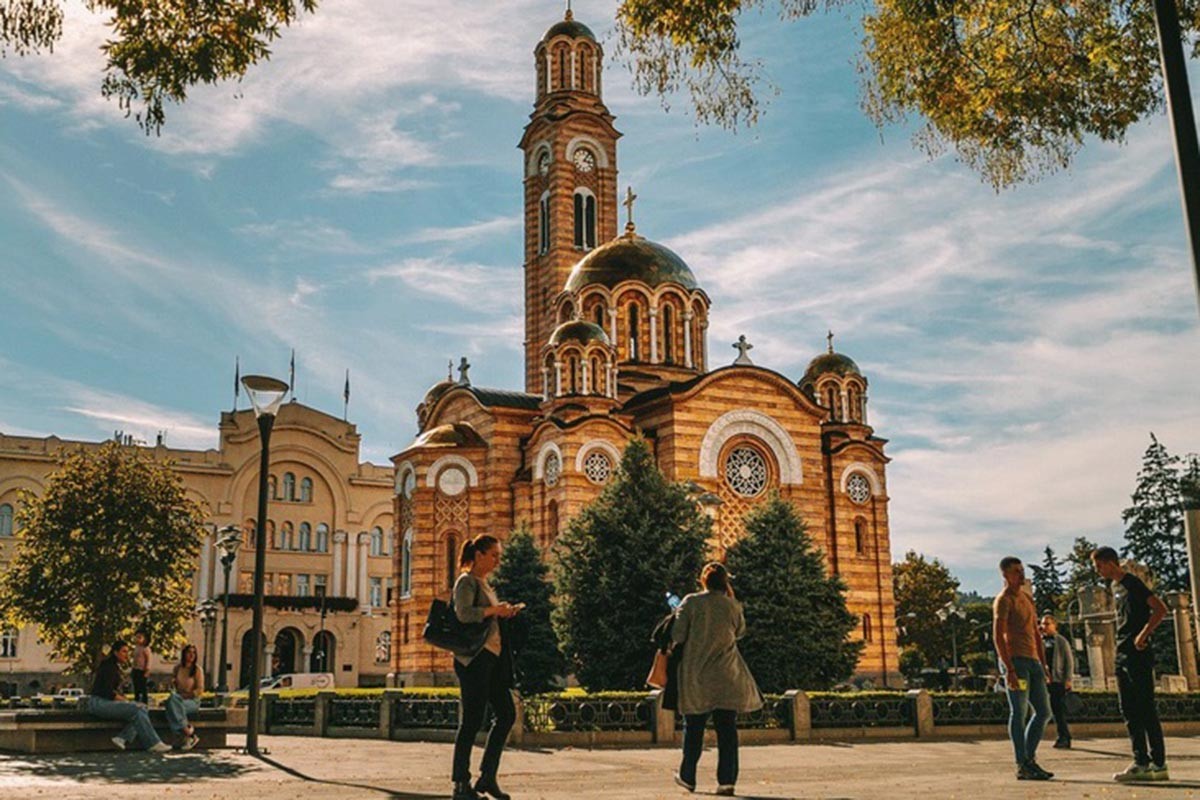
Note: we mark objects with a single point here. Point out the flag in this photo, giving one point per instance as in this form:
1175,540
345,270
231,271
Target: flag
237,380
346,397
292,374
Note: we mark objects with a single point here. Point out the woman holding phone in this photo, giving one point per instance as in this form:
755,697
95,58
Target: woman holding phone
485,677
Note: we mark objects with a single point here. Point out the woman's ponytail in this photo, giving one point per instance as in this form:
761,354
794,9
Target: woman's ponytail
480,544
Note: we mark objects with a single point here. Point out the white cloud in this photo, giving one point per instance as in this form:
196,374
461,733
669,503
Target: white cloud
463,233
472,286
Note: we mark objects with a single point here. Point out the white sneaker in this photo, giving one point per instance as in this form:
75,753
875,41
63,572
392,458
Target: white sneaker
691,787
161,747
119,742
1133,773
1157,773
190,742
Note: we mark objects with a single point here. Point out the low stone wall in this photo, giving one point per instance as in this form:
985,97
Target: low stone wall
637,719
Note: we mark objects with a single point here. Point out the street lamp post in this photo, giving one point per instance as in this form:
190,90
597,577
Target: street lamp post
266,395
207,612
946,614
228,544
324,644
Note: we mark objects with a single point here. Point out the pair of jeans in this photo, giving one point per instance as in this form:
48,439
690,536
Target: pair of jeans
137,719
1135,690
1058,705
725,722
481,684
1026,737
141,693
178,708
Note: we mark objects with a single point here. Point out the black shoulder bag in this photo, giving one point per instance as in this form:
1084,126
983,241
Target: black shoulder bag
444,630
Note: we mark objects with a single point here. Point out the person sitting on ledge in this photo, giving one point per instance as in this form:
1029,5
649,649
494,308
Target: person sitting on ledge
107,702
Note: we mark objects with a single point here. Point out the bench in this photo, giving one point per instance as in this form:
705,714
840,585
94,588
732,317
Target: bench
72,731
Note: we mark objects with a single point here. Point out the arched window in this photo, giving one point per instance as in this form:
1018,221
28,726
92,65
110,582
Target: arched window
272,487
585,219
305,536
322,538
544,224
584,70
597,376
831,401
562,68
566,313
383,647
860,536
668,336
6,520
377,541
451,560
866,625
633,332
289,486
598,315
286,540
852,403
306,487
8,643
269,534
572,375
406,564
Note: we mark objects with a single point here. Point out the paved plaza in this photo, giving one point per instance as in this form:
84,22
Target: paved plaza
346,768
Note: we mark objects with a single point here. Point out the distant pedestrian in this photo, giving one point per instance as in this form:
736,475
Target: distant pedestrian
713,678
187,684
485,677
1062,667
140,667
107,702
1023,664
1139,612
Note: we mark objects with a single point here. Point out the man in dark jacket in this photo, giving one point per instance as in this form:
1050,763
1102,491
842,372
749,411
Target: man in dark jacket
1061,661
107,702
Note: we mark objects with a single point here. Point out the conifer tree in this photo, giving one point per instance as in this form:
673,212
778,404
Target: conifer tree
1081,572
797,623
522,578
1048,586
1154,520
922,587
641,538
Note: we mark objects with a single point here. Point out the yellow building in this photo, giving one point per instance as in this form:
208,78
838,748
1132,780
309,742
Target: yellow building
329,531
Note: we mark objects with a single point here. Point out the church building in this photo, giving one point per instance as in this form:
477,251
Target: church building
616,347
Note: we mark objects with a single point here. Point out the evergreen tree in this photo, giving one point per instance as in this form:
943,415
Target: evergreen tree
522,578
1048,586
110,545
922,587
797,623
641,538
1154,522
1081,572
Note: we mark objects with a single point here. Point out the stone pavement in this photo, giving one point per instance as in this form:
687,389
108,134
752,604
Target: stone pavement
351,768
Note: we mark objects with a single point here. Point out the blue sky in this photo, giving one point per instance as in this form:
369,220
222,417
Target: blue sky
358,198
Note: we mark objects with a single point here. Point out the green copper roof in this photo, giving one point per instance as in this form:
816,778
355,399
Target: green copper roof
630,258
569,27
831,362
580,331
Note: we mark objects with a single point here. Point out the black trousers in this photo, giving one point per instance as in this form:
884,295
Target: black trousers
727,746
482,683
1058,707
1135,689
140,692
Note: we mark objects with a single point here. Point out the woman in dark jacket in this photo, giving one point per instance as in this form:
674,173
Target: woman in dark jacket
486,676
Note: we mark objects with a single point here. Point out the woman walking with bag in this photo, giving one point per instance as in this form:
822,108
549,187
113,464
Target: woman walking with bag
486,676
713,678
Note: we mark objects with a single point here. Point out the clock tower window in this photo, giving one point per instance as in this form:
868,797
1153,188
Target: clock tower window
544,224
585,219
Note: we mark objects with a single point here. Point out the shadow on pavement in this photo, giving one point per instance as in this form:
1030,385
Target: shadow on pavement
1142,785
295,773
132,767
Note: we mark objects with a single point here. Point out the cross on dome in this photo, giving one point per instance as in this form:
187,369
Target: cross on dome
743,347
463,366
830,339
628,203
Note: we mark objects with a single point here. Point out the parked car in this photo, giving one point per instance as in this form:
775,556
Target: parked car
300,680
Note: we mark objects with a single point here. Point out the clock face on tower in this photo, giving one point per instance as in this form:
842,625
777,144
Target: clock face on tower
543,164
584,160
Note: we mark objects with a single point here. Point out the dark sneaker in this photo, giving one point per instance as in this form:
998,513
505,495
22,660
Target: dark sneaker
1133,773
1036,767
463,791
1158,773
691,787
1031,772
1062,744
488,786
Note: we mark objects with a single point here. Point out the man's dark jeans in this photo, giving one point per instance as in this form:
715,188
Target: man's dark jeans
141,692
481,685
727,746
1058,706
1135,688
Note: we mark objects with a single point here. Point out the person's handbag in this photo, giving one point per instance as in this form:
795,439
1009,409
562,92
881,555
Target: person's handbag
444,631
1072,703
657,679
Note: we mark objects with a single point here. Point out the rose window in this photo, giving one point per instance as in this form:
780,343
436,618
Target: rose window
553,469
597,466
746,471
858,488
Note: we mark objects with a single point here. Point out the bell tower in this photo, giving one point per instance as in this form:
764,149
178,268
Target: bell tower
570,151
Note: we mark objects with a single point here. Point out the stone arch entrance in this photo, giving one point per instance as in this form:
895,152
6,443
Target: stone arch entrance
324,653
289,647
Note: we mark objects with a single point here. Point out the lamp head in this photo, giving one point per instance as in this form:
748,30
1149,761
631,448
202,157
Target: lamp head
266,394
229,541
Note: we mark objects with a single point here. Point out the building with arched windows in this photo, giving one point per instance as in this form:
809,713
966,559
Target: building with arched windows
616,346
329,533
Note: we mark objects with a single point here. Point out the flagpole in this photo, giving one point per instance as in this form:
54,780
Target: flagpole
292,375
237,381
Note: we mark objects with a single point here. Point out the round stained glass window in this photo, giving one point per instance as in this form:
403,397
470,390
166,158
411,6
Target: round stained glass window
452,481
553,469
859,488
597,466
746,471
